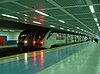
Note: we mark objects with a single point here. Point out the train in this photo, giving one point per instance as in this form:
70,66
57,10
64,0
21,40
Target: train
48,38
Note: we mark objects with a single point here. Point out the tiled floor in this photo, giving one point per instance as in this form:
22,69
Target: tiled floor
81,58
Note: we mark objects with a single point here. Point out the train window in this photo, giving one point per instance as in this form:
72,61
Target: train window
49,35
32,34
74,38
24,34
40,34
60,37
70,38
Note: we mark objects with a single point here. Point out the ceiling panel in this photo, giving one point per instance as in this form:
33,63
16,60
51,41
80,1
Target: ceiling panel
48,19
75,13
78,10
87,20
1,0
36,4
54,12
70,3
13,7
83,16
97,8
2,10
98,16
63,17
95,1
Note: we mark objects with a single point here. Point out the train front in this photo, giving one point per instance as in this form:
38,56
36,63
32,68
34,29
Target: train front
23,39
39,38
32,38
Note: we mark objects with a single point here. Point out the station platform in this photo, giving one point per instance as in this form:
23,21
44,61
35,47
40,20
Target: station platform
7,46
6,50
82,58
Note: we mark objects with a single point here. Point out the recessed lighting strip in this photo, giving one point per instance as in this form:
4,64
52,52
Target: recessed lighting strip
41,13
91,9
97,24
62,28
51,25
37,22
78,28
95,19
10,16
61,21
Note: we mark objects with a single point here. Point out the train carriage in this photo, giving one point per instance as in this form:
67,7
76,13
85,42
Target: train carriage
46,38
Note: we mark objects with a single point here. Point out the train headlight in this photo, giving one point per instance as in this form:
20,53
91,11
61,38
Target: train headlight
17,41
25,41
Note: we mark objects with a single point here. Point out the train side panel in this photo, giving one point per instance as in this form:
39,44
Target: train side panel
55,39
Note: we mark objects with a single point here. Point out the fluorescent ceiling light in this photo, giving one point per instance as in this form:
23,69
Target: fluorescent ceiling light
4,30
61,28
52,26
91,9
37,22
25,19
68,29
25,14
97,24
82,29
41,13
9,16
98,27
11,30
78,28
95,19
61,21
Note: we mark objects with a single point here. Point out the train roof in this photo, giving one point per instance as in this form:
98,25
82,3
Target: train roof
54,30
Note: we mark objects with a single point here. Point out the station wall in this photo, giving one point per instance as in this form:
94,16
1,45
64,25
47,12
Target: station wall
11,36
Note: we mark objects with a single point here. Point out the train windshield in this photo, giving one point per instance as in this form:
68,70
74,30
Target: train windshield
24,34
40,35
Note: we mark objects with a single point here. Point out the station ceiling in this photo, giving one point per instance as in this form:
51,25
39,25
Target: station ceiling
80,16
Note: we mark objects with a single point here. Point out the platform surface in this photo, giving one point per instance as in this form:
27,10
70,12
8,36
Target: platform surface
83,58
7,46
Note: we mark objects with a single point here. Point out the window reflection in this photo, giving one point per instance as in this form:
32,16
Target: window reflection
34,58
42,59
25,58
17,57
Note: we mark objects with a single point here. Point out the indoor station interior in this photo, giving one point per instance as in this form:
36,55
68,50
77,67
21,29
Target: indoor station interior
49,36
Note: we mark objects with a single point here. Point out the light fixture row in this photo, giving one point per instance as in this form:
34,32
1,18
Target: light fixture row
95,19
